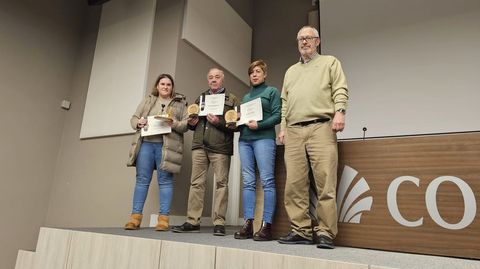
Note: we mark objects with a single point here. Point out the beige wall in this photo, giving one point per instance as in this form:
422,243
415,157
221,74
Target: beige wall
276,24
50,177
425,52
92,185
38,46
244,8
56,179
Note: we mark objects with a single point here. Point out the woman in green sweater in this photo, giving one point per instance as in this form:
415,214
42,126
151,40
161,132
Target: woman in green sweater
257,146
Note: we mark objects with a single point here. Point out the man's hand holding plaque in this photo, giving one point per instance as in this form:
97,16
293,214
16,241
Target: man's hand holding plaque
231,118
193,110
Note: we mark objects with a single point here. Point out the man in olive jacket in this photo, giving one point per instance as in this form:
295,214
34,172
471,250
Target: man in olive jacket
212,145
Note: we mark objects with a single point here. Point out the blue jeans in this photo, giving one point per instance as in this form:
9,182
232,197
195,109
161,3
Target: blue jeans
148,159
262,152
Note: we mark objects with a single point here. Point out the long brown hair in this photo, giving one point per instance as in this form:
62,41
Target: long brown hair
155,90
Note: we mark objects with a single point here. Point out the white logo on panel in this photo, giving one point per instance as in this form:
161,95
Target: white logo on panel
469,201
346,210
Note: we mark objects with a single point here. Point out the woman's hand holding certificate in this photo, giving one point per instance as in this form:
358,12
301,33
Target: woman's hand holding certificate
251,111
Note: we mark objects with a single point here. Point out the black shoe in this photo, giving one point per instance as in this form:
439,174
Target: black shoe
186,228
219,230
293,238
325,242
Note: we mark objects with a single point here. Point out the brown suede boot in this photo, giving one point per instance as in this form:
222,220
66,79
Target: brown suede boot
265,232
246,231
134,222
162,224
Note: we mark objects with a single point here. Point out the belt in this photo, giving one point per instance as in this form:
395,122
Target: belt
305,123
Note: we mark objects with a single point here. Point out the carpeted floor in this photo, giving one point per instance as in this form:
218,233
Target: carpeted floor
346,254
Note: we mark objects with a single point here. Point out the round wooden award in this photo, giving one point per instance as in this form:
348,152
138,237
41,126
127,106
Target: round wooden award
231,118
193,110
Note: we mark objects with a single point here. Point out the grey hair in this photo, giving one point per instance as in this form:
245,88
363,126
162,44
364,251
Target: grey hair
315,31
214,68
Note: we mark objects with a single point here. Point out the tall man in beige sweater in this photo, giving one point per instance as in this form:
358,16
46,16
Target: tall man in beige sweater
314,101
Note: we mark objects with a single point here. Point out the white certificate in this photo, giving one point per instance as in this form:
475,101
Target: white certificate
251,110
213,104
155,127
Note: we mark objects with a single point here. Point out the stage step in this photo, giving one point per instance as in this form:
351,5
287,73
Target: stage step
25,259
69,249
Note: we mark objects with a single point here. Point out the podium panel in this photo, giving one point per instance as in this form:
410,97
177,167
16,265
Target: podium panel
410,194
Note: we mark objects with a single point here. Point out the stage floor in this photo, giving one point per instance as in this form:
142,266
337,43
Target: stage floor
344,254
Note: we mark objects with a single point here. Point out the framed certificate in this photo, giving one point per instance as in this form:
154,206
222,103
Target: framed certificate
251,110
156,126
213,104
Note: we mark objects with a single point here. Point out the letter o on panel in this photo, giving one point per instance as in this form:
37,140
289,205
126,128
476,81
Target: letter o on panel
468,200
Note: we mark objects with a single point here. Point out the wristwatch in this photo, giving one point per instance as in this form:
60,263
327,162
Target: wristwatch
341,110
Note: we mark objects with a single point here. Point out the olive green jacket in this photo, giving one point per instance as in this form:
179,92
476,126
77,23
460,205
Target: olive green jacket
215,138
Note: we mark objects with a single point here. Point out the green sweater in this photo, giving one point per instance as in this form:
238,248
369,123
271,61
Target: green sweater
313,90
271,108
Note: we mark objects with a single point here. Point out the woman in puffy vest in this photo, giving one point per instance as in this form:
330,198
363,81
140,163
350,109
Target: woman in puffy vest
163,152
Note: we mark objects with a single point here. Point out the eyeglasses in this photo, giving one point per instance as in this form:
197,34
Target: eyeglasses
306,38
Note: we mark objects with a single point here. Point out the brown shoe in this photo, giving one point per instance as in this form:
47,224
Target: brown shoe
246,231
162,224
265,232
134,222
